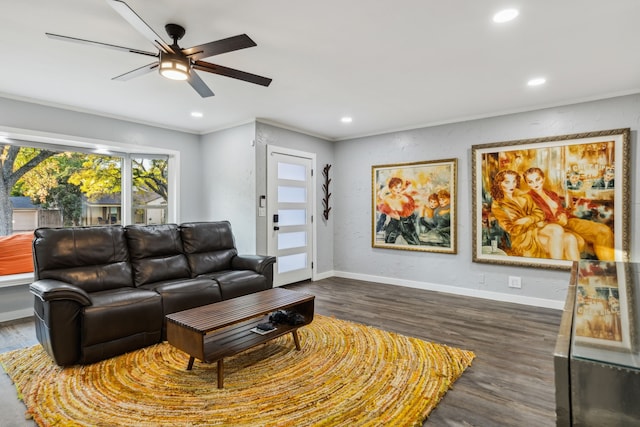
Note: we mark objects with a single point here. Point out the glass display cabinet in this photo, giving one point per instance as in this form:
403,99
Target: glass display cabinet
597,354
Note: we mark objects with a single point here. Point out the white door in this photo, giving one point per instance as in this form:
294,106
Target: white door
290,210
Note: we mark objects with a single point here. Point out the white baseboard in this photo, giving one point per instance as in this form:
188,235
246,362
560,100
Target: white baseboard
16,314
477,293
323,275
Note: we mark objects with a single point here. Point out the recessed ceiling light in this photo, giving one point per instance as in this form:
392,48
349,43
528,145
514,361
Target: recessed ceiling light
197,114
505,15
346,119
537,81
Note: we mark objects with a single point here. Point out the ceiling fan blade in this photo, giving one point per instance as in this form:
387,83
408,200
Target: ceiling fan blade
230,44
107,45
137,72
230,72
142,27
200,86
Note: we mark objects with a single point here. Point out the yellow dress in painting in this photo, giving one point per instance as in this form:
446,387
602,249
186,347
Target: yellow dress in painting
521,218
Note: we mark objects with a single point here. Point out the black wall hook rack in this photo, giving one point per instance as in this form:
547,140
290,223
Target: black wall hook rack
325,188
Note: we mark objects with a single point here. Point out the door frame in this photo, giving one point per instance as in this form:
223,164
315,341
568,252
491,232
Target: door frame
273,149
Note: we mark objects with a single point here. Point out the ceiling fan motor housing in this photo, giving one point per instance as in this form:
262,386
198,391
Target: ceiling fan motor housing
175,31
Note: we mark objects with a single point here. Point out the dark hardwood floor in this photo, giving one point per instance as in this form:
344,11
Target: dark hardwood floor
510,383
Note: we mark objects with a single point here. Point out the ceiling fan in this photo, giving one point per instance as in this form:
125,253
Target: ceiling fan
173,61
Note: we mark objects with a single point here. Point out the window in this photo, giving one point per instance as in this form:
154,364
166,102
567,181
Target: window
149,189
96,184
64,186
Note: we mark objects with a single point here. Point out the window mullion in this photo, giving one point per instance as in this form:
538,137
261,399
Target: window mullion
127,199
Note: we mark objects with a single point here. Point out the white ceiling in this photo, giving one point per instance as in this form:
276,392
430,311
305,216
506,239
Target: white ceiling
390,65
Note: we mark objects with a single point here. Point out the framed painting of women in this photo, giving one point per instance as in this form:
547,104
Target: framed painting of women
414,206
604,312
547,202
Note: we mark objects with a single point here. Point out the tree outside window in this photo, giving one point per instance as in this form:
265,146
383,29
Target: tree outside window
149,190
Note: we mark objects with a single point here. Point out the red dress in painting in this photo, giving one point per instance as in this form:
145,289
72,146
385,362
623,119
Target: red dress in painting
400,208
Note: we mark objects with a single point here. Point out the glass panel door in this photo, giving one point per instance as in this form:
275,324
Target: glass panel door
290,207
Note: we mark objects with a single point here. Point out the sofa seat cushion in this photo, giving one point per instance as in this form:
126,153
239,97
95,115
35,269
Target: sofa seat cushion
182,294
235,283
120,313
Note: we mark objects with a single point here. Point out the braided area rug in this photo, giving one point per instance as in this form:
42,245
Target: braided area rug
346,374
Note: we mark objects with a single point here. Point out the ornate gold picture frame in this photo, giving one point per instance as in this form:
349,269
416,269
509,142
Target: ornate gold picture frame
546,202
414,206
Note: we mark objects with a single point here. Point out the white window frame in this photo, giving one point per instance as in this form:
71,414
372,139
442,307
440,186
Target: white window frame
69,143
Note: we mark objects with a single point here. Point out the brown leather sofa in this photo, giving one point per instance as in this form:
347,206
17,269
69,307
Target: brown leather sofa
104,291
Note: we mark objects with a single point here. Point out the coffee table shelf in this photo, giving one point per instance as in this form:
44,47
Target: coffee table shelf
240,337
215,331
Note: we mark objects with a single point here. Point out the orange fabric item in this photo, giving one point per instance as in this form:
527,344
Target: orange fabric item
15,254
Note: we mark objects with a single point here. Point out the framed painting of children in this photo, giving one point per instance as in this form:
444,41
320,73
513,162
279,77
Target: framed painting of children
547,202
414,206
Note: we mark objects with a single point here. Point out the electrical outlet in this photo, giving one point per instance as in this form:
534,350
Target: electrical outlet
515,282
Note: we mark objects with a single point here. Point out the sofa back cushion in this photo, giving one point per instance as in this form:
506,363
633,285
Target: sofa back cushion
209,246
92,258
156,253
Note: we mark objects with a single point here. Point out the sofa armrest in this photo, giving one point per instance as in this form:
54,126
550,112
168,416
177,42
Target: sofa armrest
57,309
51,290
258,263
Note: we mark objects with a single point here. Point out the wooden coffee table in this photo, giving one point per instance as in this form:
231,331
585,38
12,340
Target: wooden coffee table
222,329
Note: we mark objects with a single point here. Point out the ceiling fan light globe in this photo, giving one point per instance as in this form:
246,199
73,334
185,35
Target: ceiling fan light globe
174,74
174,68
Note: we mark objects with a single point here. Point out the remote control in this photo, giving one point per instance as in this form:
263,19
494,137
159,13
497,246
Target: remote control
265,326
